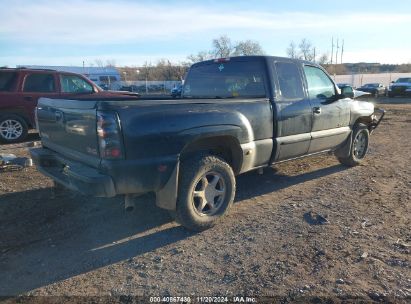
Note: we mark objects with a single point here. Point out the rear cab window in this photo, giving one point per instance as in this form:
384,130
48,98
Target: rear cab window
39,82
226,79
7,81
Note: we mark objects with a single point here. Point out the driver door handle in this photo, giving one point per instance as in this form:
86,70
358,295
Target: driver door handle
317,110
28,98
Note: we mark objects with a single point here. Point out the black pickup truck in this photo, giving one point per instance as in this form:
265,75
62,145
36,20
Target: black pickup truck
235,115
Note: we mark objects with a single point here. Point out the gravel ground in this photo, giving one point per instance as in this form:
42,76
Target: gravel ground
303,229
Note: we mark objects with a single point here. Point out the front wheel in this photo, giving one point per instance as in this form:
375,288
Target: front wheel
206,192
13,129
359,146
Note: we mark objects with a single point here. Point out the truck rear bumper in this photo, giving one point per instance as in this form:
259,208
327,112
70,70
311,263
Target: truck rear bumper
73,175
159,176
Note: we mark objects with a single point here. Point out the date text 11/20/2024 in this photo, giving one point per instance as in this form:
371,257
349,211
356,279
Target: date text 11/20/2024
209,299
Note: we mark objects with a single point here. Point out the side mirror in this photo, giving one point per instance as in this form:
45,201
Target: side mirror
347,92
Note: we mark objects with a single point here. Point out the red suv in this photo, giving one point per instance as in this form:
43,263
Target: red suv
21,88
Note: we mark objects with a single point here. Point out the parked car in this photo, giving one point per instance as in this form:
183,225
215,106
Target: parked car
400,87
176,91
375,89
104,86
21,88
126,88
235,115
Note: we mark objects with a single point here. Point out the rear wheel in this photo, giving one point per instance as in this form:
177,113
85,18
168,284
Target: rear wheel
13,128
359,146
206,192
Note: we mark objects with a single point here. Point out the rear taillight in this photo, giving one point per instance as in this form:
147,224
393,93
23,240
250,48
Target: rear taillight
109,136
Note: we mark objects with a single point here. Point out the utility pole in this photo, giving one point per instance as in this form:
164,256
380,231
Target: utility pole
336,53
342,51
314,55
332,49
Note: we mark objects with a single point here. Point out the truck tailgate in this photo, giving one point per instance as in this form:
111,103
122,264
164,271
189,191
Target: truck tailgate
69,127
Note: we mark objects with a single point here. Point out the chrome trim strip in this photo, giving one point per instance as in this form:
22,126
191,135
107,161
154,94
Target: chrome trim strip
330,132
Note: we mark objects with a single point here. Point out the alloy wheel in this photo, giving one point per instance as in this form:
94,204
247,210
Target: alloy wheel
360,145
11,129
209,194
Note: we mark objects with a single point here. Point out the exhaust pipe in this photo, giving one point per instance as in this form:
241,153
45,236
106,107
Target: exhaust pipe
129,202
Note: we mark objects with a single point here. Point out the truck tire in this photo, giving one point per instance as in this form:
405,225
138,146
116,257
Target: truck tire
359,146
206,192
13,128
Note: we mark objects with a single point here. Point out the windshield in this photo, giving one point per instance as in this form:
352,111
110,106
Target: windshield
229,79
371,85
403,80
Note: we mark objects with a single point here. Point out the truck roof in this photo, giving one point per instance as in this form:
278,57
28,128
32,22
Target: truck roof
253,57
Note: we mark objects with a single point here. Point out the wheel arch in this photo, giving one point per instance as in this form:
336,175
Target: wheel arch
363,120
366,120
18,112
225,146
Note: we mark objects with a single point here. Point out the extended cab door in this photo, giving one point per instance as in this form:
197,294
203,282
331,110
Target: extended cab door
293,112
330,115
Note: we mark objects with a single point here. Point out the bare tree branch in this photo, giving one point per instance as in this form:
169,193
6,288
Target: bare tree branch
222,47
306,50
247,48
292,50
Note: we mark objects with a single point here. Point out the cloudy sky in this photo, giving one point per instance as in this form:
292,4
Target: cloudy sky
54,32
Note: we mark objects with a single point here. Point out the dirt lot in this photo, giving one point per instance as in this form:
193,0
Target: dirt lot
268,245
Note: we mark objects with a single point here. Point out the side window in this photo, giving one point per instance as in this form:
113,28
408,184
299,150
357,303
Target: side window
319,84
7,81
39,82
74,84
289,80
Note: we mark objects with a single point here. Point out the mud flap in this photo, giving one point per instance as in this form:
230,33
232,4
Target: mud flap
166,197
345,150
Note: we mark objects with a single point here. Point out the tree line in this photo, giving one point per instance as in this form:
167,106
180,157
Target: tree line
224,46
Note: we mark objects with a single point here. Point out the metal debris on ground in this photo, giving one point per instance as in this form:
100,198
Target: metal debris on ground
10,162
